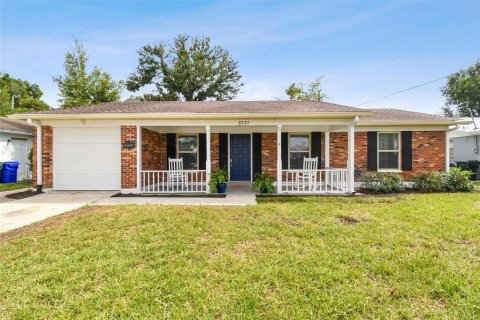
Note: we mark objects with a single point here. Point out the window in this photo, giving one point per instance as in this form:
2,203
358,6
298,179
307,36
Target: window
389,151
298,148
451,148
188,150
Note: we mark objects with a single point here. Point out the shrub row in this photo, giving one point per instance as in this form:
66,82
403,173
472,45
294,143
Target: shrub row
456,180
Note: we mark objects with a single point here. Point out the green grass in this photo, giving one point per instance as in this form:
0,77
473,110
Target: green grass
400,257
476,185
16,185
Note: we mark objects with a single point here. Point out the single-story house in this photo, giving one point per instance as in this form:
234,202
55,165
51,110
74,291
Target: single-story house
465,142
133,146
15,143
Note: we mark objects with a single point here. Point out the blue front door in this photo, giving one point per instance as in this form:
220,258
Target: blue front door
240,157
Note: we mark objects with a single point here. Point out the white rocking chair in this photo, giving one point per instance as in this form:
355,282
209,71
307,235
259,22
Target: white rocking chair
176,177
308,176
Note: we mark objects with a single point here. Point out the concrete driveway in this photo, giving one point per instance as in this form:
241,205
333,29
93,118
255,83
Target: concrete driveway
18,213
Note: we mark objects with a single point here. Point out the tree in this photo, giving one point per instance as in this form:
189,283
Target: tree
78,87
463,93
297,91
189,69
17,95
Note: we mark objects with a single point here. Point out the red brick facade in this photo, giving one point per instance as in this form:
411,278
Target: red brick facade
47,157
128,158
214,147
269,153
154,150
428,150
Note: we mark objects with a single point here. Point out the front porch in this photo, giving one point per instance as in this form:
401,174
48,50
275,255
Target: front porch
245,150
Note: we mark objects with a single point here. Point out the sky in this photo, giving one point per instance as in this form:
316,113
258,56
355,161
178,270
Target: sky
364,50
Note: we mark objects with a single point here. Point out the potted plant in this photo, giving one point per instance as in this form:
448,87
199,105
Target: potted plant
219,180
263,183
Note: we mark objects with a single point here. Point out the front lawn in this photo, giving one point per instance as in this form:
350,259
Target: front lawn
15,185
408,256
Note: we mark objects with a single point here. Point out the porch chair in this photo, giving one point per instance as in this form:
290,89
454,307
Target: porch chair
176,177
308,176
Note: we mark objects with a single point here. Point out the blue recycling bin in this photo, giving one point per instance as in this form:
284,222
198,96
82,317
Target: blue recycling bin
9,172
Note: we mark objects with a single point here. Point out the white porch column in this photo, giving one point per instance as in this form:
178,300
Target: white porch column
447,151
208,165
351,158
279,159
327,148
139,159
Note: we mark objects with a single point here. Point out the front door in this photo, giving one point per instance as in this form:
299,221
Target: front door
240,158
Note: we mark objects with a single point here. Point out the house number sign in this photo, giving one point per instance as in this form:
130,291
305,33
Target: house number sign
129,145
243,122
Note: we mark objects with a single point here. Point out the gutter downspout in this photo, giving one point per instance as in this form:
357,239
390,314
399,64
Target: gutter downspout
39,153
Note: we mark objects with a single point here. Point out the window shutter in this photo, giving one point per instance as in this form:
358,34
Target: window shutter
202,151
316,147
223,150
284,151
171,145
407,150
257,153
372,151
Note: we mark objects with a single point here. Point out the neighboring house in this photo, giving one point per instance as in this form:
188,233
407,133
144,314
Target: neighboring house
126,146
15,143
465,142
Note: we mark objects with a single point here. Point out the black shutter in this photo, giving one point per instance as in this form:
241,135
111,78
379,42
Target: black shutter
407,150
284,150
202,151
171,145
223,150
257,153
316,147
372,151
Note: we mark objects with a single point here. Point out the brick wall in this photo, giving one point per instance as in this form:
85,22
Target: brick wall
269,153
34,157
128,158
428,149
214,151
47,157
154,150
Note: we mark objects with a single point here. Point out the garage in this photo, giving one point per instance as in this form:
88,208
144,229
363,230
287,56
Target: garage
86,158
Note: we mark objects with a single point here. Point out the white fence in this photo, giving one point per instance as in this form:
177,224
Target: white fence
315,181
182,181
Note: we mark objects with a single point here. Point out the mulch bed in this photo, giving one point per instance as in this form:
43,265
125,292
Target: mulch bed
22,194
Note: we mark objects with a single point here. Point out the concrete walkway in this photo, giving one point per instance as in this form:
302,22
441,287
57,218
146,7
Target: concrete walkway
18,213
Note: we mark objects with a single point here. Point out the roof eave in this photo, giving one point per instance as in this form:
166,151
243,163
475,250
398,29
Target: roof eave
188,116
410,123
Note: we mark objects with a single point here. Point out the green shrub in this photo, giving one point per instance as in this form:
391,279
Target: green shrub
456,180
382,182
263,183
218,177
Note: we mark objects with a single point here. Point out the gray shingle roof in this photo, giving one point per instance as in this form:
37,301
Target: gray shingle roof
15,125
203,107
386,115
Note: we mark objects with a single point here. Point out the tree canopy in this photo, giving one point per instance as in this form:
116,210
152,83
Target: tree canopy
463,92
189,69
24,96
313,91
78,87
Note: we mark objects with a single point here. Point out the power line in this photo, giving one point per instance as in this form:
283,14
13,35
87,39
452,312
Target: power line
395,93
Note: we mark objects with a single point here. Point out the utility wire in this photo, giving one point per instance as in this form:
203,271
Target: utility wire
395,93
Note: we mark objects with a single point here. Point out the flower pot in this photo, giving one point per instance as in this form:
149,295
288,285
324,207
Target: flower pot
221,188
264,190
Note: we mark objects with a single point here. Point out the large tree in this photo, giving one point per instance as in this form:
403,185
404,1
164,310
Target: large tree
18,95
463,92
313,91
189,69
79,87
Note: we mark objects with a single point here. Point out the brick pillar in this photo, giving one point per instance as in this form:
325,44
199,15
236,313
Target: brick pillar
215,156
34,157
47,157
129,158
269,153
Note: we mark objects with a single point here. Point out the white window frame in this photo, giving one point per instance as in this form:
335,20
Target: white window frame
399,150
309,135
195,152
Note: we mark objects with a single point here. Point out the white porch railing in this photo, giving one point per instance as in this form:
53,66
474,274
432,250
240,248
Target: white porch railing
329,181
165,181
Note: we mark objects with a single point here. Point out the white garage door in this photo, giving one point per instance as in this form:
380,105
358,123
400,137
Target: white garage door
86,158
